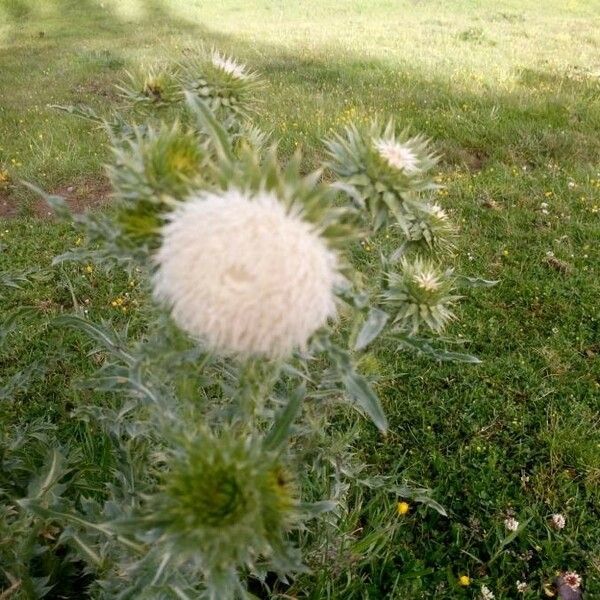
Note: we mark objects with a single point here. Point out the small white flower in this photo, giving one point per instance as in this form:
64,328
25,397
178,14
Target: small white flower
398,155
544,205
427,280
439,212
245,275
544,211
511,524
521,587
572,579
229,65
558,521
486,593
571,184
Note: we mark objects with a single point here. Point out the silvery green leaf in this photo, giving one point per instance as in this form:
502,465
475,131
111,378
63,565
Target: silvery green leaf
463,281
431,503
424,347
372,327
317,508
358,389
284,420
207,121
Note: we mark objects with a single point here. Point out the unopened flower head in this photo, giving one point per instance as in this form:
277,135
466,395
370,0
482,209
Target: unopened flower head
511,524
399,156
429,227
229,65
244,274
225,502
422,294
558,521
572,579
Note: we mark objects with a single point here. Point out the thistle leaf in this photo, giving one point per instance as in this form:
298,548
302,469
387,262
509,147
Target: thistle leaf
206,120
474,282
358,389
423,346
283,422
373,326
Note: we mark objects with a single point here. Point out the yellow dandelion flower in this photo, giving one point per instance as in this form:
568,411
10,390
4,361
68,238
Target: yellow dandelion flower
464,581
89,269
403,508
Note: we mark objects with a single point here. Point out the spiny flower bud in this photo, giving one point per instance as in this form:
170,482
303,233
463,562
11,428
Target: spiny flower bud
225,502
382,167
226,85
422,294
429,228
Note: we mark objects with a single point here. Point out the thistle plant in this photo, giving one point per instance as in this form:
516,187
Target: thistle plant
222,424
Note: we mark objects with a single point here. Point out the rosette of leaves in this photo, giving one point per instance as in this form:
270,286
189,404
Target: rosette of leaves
421,296
378,168
227,86
226,504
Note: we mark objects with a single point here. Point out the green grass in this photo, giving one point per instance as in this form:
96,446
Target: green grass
510,93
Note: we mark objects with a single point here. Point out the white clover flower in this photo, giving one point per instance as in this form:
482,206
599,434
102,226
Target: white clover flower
244,275
486,593
229,65
511,524
558,521
521,587
399,156
572,579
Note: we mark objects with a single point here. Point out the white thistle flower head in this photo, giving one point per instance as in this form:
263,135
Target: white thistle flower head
572,579
398,155
421,294
229,65
427,280
244,275
438,212
511,524
521,587
486,593
558,521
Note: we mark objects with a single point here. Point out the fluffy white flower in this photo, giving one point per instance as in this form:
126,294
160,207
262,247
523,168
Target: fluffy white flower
229,65
511,524
486,593
398,155
558,521
244,275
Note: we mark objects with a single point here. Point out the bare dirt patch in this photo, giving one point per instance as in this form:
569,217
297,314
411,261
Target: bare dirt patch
81,195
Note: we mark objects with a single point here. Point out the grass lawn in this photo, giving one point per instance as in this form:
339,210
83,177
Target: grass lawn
509,91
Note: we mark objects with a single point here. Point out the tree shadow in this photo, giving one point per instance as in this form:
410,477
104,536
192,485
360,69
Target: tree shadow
548,117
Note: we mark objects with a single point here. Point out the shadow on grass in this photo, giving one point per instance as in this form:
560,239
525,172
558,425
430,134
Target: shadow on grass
549,117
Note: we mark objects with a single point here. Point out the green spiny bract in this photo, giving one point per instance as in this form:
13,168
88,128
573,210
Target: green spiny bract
429,228
226,503
421,294
381,168
153,168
